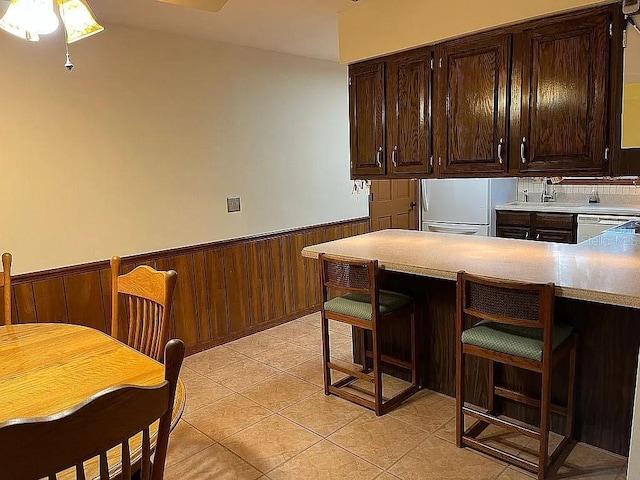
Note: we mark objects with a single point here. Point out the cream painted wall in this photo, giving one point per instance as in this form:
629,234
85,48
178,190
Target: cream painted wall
631,115
378,27
138,148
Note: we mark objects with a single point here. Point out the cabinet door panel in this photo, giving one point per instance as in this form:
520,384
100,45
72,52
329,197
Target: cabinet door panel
472,101
366,98
518,233
564,108
408,113
557,236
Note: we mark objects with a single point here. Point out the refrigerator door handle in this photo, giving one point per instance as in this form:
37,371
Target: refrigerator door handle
457,230
423,196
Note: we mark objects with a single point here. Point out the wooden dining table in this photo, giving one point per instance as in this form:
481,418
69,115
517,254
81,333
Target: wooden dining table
47,368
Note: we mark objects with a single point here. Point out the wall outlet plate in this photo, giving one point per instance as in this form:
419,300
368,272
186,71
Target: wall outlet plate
233,204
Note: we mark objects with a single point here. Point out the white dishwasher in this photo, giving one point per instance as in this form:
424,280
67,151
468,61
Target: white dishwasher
590,226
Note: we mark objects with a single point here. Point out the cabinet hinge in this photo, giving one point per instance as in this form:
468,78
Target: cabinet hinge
611,29
432,64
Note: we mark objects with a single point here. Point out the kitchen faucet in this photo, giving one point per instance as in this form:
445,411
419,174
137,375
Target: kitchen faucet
545,196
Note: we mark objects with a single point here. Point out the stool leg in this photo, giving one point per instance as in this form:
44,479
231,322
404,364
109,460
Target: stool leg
326,355
459,393
545,401
414,361
491,387
377,373
571,393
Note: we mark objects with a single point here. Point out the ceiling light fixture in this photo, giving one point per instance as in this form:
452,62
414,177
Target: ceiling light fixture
28,19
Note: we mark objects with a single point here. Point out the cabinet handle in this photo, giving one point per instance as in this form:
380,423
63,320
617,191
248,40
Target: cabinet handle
538,237
522,146
379,157
500,145
394,156
431,164
440,161
526,235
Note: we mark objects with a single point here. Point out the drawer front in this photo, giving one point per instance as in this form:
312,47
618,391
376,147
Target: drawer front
560,221
519,233
557,236
518,219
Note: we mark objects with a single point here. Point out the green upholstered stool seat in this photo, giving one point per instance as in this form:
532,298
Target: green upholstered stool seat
519,341
359,305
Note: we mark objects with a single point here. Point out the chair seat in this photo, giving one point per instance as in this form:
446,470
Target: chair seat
359,305
519,341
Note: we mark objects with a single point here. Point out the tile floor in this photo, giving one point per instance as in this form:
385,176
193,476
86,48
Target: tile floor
256,410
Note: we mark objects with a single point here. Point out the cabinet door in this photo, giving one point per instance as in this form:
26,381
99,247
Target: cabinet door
557,236
366,105
518,233
472,110
408,113
563,97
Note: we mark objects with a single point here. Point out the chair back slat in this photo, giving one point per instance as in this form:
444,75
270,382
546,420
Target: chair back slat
91,429
5,283
514,303
148,297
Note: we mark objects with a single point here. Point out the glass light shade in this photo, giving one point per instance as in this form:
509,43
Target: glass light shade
78,20
30,18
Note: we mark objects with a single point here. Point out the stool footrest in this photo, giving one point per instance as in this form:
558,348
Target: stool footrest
529,432
526,400
504,456
350,371
391,360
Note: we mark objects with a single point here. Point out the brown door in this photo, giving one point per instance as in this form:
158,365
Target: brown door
408,113
393,204
563,103
366,110
471,111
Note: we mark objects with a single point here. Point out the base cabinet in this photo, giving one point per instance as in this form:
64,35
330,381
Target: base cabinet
543,227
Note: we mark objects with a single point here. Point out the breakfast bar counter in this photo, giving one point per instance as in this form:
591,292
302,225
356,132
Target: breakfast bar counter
597,292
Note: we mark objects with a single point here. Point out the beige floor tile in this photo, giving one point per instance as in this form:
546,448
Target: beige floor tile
513,474
379,440
426,410
254,344
311,341
186,441
201,391
209,361
590,463
214,463
390,386
311,371
280,391
270,442
291,329
286,358
437,459
325,461
340,327
312,319
227,416
323,414
241,375
386,476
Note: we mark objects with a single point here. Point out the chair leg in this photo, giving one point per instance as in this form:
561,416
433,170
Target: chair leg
571,392
545,402
326,354
491,387
377,372
414,360
459,393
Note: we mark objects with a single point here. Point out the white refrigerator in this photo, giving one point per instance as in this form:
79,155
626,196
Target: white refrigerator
464,206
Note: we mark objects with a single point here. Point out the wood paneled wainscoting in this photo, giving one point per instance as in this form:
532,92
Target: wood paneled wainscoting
226,290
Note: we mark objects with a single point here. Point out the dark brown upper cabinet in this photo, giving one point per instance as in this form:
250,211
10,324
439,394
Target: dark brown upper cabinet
561,109
367,116
471,114
408,114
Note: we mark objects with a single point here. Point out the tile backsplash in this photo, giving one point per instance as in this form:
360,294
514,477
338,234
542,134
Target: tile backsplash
608,194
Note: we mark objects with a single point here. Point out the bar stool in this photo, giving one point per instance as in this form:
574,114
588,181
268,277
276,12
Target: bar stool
516,328
350,294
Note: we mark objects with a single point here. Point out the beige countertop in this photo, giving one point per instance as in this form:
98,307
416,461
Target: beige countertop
605,269
580,208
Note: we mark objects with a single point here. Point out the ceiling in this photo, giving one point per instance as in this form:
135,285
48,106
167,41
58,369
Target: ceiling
300,27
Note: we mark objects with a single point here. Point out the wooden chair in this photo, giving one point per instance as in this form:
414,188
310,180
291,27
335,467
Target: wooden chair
5,282
358,301
517,328
149,296
42,447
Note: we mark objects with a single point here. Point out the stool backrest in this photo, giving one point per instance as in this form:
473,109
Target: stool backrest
5,283
339,275
503,301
